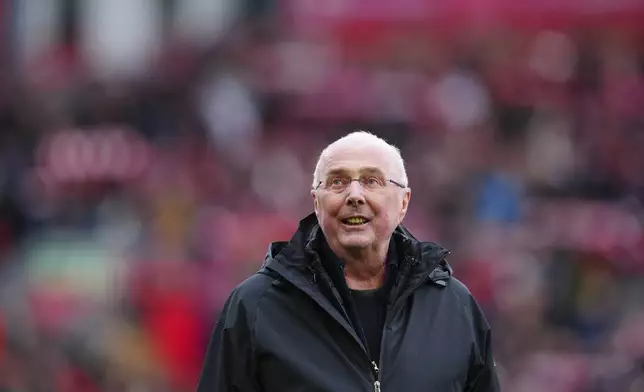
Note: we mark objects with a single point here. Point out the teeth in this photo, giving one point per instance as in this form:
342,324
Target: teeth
355,221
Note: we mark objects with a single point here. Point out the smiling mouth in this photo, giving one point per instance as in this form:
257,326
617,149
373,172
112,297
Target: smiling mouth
355,221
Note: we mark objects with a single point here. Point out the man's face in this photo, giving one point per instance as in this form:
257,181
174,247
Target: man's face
357,215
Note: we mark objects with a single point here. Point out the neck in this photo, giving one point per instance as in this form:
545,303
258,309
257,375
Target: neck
365,269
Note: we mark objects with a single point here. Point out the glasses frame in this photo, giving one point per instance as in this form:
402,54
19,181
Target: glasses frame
357,179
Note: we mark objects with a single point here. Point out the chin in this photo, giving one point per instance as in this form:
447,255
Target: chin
355,241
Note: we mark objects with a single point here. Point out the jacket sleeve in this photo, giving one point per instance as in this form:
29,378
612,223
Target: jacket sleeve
482,375
229,364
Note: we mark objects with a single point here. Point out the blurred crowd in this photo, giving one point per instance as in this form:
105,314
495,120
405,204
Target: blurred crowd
134,195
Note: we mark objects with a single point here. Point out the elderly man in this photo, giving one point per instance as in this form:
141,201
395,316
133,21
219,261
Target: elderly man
353,302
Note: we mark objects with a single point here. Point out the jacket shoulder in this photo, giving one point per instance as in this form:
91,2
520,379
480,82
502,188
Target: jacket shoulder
472,309
245,297
460,289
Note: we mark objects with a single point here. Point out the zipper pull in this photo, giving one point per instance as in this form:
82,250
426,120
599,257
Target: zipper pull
376,384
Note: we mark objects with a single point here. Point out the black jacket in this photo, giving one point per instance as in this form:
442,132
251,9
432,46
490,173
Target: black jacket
284,329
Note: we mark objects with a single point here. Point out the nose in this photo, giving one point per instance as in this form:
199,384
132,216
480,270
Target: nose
355,195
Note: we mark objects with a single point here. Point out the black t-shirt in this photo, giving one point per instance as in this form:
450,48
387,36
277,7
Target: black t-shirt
367,309
371,309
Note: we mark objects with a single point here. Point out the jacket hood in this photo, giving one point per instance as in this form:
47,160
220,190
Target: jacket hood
296,255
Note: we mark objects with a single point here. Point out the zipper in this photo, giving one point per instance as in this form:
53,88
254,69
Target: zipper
376,384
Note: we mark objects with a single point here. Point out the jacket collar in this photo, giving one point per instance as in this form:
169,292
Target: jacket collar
296,259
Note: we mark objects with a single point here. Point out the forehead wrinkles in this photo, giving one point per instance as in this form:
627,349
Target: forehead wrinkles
357,160
362,171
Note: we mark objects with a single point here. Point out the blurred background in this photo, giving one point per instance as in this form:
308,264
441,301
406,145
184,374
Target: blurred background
150,150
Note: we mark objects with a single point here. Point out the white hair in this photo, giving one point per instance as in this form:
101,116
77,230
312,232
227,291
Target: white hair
363,138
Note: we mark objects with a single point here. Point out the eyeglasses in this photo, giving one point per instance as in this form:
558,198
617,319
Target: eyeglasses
340,184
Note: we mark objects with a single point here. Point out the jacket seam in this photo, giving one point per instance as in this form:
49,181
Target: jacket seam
256,315
254,328
469,318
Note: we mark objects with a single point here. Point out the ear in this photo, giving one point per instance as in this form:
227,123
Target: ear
404,205
315,201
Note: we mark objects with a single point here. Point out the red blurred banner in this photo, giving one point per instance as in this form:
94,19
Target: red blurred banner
365,19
